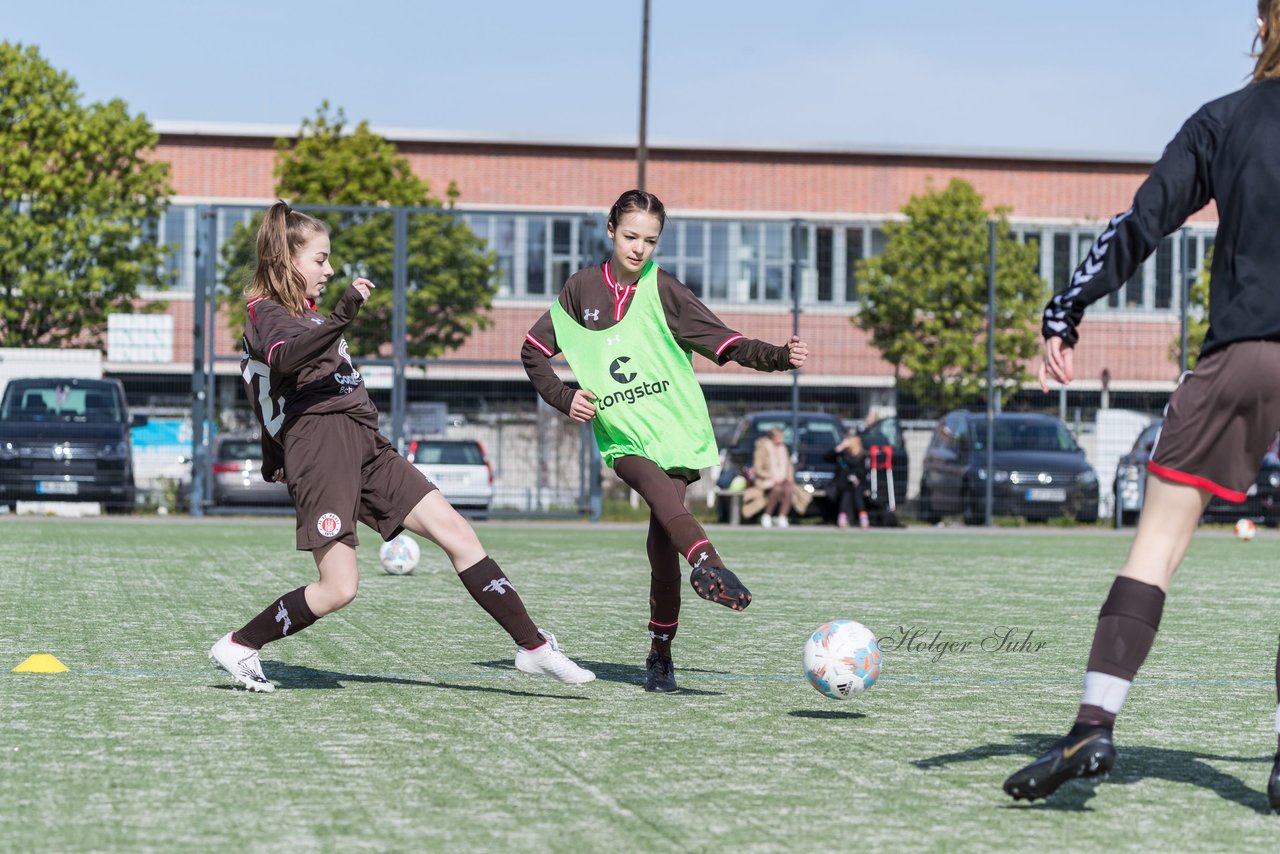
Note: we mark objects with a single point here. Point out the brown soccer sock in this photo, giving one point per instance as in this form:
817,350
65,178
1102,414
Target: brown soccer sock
289,614
665,496
1127,626
490,588
691,541
664,589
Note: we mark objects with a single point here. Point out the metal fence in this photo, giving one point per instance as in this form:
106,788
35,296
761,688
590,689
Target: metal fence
777,281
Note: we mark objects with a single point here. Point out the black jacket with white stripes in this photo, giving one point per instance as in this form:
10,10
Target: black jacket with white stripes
1229,151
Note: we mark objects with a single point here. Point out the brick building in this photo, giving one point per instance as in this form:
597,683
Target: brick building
738,215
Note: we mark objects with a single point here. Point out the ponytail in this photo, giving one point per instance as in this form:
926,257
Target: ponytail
1267,66
283,232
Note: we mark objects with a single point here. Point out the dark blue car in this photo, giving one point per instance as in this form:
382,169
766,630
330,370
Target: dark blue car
1039,470
1262,503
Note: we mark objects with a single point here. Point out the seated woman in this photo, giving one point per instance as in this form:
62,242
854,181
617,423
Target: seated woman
850,480
775,476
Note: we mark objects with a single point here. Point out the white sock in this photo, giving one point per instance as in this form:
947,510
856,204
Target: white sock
1108,692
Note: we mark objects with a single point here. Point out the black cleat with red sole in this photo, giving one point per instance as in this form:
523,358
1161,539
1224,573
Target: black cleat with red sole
717,584
1087,754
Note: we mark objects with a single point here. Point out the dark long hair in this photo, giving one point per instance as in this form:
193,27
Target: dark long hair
637,200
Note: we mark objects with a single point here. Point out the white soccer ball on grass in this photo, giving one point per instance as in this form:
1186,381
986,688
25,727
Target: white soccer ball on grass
1246,530
842,658
400,556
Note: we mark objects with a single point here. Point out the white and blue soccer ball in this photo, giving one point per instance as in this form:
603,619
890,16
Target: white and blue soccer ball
400,556
842,658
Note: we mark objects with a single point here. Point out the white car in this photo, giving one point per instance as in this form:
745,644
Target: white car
459,467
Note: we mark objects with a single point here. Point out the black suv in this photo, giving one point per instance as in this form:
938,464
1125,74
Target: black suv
67,440
1261,504
1040,471
820,432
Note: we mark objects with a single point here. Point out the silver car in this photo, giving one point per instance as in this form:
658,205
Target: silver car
237,474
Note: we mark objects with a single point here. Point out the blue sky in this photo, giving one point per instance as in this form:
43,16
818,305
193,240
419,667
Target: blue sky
1087,76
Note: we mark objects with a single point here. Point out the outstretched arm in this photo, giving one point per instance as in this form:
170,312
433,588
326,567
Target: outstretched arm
697,328
1180,184
768,357
291,352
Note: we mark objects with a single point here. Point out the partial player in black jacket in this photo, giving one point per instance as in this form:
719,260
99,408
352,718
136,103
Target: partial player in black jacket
320,436
1221,417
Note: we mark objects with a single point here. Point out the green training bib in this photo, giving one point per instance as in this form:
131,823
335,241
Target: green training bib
648,400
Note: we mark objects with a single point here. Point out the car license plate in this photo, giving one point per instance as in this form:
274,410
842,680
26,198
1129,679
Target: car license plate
57,487
1046,494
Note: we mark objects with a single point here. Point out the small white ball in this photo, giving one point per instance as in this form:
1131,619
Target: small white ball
1246,530
400,556
841,659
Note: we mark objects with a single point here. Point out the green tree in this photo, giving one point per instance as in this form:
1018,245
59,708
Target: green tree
1198,317
450,271
923,300
79,189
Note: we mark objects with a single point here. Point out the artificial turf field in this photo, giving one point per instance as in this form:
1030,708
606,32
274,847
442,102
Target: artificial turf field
400,723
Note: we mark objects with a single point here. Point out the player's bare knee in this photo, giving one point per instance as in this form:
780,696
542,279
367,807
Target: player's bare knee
453,533
346,592
334,595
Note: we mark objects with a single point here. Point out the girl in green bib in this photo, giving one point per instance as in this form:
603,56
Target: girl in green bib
629,331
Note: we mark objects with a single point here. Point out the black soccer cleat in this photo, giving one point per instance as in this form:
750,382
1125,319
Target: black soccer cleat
659,673
717,584
1273,785
1089,754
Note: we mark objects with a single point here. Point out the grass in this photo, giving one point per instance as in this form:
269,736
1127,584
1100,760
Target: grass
400,724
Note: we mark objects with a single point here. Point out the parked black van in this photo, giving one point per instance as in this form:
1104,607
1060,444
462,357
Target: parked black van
65,439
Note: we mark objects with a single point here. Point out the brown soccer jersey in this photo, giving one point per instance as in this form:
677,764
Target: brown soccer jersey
596,301
294,366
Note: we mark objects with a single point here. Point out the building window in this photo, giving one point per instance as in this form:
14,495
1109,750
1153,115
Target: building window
823,248
877,242
683,252
1032,238
722,260
718,258
176,232
562,237
694,251
499,232
748,261
536,257
853,254
504,246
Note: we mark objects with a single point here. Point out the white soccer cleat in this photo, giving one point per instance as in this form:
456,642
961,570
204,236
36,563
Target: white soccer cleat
243,663
548,660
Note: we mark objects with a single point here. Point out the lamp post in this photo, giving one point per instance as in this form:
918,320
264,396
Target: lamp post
642,150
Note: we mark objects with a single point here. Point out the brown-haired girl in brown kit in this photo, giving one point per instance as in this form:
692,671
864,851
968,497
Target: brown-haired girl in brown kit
320,436
1220,418
629,331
